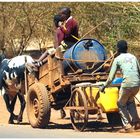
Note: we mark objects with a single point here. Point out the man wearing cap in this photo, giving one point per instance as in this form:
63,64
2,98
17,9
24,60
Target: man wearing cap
130,69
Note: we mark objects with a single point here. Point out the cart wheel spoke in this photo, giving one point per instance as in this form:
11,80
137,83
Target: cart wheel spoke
79,118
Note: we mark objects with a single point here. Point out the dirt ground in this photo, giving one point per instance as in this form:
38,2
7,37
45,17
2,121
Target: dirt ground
4,114
55,117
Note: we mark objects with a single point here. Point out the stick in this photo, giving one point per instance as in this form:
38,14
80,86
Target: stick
89,31
25,75
94,28
137,99
104,63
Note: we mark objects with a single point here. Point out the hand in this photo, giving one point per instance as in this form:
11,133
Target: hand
38,64
64,44
102,88
60,23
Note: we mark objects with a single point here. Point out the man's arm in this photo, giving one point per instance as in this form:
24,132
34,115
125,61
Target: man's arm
138,65
68,26
112,73
45,54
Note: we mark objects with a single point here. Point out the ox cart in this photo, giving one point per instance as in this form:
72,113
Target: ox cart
77,91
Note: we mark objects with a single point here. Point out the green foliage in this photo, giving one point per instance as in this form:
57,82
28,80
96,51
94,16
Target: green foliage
28,20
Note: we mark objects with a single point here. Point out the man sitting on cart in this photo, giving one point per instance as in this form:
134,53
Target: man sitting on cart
66,34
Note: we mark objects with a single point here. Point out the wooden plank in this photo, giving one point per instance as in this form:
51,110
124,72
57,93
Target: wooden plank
31,79
79,108
43,70
45,80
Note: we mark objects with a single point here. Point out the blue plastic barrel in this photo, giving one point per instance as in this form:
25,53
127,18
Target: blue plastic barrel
84,50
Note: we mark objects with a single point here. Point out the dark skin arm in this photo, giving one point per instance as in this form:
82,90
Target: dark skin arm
43,56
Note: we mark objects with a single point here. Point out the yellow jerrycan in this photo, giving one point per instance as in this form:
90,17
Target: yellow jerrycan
108,100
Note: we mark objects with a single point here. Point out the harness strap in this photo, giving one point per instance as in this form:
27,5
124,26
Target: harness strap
70,66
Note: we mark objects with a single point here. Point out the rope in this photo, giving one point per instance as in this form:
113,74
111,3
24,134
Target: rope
82,61
89,68
70,66
104,63
78,39
75,37
137,99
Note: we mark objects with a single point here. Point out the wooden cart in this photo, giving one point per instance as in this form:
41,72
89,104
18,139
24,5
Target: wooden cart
50,88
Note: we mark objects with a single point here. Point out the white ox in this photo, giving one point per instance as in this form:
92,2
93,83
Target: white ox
12,83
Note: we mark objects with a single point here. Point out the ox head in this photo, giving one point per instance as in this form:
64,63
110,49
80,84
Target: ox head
6,78
9,77
13,74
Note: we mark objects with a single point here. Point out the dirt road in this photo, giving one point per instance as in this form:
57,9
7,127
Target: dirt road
58,128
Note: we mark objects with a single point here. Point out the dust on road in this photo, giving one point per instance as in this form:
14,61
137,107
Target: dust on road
58,127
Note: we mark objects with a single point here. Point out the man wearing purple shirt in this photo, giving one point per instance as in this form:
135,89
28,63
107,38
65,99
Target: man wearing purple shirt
66,33
69,28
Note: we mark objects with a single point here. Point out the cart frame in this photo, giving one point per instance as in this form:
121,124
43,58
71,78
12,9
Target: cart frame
51,80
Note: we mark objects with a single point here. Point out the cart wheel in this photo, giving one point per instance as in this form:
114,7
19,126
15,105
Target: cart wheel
38,106
79,117
114,119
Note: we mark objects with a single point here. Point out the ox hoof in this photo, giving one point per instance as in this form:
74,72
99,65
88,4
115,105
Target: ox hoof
15,117
10,122
19,120
63,114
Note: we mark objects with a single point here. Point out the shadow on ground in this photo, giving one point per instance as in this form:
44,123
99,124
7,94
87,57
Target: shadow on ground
94,126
